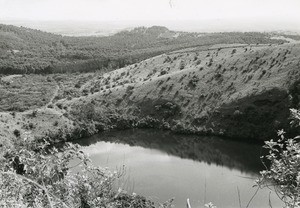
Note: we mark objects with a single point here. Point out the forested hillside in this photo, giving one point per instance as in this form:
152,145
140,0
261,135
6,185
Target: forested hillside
24,50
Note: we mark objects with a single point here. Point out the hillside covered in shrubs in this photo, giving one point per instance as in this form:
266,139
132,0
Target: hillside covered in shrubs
235,90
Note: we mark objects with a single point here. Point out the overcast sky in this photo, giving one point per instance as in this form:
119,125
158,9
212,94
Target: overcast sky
261,12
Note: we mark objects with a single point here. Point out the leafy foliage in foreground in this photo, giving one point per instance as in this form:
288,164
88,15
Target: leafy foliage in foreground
284,173
37,175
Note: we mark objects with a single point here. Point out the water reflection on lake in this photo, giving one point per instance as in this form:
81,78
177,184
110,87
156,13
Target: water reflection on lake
161,165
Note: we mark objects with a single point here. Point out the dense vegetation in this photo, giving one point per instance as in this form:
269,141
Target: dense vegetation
35,174
24,50
284,173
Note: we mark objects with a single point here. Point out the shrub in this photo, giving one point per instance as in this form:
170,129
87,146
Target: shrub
17,133
148,122
77,85
284,172
31,125
217,76
181,65
193,82
210,62
167,59
129,88
49,79
167,109
59,105
34,113
237,113
262,73
85,91
13,114
163,72
50,106
179,127
39,175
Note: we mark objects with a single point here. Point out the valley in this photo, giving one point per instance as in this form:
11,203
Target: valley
162,99
149,104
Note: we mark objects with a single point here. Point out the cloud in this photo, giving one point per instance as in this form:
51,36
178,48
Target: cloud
152,10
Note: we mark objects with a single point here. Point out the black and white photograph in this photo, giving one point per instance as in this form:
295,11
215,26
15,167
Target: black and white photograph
149,103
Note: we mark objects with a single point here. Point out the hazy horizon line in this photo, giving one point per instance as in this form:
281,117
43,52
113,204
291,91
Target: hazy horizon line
209,26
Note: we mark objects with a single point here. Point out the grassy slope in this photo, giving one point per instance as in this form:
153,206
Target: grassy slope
235,91
239,91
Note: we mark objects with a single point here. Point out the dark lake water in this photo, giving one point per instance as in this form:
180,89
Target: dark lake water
161,165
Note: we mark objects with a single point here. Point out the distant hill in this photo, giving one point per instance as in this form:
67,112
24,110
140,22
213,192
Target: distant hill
24,50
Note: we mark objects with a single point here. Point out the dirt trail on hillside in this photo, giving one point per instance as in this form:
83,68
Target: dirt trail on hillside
10,77
223,46
54,95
